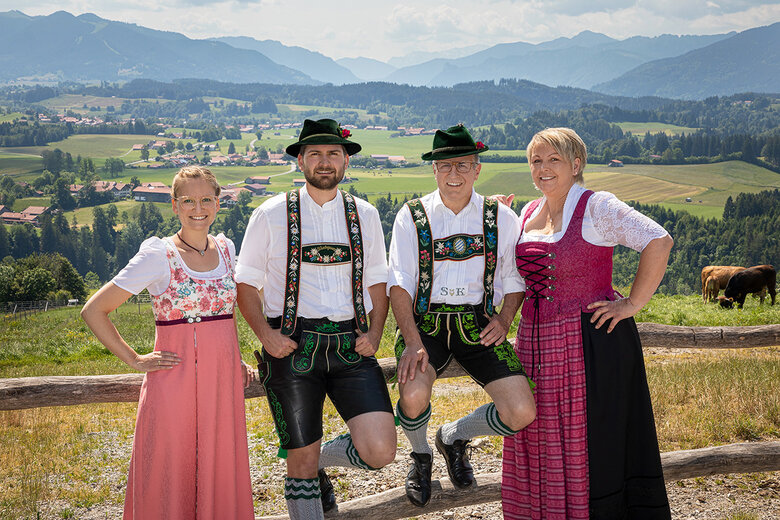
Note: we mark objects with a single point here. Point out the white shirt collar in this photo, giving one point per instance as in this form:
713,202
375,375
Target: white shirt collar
438,204
331,205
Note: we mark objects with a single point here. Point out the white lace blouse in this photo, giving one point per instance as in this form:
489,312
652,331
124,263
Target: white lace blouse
607,222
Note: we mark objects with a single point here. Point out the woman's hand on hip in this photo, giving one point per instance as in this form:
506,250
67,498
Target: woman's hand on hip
157,360
615,311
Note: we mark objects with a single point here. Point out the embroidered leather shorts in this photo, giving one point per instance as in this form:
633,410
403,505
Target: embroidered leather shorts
452,331
325,363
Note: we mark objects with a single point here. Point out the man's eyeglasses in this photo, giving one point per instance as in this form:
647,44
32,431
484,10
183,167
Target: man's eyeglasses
190,202
461,167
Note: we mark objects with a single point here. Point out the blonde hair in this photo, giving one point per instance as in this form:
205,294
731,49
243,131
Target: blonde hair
194,172
567,143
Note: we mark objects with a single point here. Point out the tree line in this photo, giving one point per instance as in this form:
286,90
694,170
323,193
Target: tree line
746,235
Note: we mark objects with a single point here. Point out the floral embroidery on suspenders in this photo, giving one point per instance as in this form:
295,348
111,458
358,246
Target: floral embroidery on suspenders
490,232
458,247
486,245
292,284
326,253
422,297
356,246
316,253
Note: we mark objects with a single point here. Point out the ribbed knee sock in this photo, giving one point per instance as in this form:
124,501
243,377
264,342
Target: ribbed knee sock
341,452
482,421
416,430
303,498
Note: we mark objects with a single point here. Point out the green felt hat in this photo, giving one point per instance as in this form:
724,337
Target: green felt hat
453,142
323,131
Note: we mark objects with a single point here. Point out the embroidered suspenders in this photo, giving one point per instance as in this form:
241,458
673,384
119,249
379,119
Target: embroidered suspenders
456,248
323,254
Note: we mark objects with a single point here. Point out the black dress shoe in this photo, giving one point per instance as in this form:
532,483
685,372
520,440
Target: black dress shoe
418,481
327,495
458,467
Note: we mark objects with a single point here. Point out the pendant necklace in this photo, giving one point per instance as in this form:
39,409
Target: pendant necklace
201,251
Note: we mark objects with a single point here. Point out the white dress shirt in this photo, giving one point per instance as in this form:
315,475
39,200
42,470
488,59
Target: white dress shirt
455,282
149,268
325,291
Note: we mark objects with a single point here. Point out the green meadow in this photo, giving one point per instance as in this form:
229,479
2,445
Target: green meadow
640,129
10,117
707,185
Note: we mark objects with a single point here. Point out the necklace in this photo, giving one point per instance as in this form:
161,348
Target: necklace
201,251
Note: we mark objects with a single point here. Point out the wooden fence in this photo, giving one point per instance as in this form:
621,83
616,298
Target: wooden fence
35,392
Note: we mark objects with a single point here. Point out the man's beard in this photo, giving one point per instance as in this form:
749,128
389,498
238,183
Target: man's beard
323,183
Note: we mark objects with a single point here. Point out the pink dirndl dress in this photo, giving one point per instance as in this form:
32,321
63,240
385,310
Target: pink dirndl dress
190,456
592,450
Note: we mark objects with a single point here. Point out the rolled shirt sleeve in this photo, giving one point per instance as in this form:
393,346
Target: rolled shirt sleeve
375,260
253,259
404,266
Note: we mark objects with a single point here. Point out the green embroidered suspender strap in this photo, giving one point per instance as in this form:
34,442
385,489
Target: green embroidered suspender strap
293,281
490,232
356,247
425,245
422,297
294,259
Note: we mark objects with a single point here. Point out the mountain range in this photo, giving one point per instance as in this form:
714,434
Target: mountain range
64,47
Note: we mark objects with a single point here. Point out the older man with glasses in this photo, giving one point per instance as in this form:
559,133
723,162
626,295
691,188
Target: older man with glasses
451,263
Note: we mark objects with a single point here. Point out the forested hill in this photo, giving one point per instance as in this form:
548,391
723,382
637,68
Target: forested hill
747,235
471,103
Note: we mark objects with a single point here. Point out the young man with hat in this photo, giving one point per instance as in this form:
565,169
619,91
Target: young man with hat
318,256
451,263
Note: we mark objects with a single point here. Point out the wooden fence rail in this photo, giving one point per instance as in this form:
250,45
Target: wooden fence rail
393,504
36,392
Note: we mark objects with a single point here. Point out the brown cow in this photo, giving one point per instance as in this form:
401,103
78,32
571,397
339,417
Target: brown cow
751,280
714,278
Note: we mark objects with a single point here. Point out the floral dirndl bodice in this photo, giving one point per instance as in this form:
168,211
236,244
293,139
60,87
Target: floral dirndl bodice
188,297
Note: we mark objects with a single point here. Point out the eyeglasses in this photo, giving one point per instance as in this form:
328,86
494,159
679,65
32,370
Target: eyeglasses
461,167
190,202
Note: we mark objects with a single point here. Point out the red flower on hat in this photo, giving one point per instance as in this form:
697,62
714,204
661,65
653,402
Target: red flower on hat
345,133
480,145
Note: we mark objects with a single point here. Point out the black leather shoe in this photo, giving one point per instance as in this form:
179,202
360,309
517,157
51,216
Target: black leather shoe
458,467
327,495
418,481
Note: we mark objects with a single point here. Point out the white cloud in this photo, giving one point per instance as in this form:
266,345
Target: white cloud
376,29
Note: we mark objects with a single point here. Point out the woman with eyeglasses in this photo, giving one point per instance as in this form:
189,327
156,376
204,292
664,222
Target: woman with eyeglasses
190,457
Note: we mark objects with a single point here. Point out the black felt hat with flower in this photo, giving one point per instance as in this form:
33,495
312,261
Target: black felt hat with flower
453,142
323,131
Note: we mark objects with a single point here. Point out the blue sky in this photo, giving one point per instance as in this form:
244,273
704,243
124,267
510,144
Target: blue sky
382,30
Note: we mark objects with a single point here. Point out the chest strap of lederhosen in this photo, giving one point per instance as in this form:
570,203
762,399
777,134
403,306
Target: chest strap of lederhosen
425,245
294,249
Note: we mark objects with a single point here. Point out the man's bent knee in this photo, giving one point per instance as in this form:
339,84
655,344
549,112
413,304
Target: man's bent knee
378,455
517,415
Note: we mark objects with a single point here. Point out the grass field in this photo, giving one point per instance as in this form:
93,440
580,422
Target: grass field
10,117
640,129
64,460
24,166
708,185
76,102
